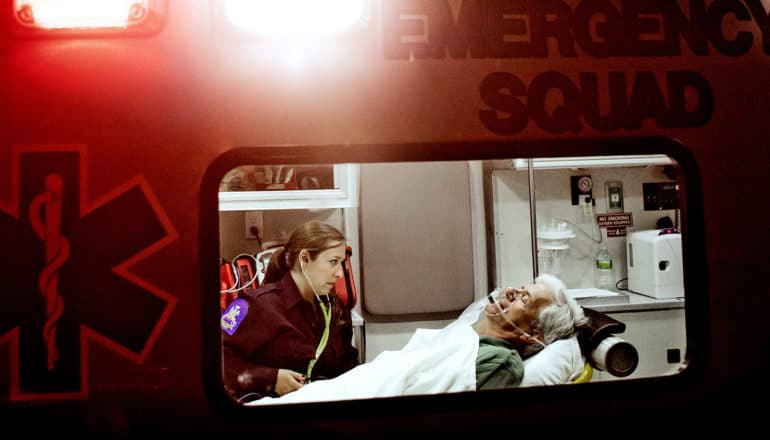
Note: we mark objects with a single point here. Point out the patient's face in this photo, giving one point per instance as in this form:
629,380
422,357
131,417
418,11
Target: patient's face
521,306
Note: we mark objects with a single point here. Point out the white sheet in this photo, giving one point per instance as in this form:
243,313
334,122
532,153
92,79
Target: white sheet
433,361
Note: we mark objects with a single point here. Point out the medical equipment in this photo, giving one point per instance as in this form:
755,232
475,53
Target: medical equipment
493,298
327,314
236,276
604,350
553,244
654,262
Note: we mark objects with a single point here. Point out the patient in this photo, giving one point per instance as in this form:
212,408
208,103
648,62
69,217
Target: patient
483,349
518,323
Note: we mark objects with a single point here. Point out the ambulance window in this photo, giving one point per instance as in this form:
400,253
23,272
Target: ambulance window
429,238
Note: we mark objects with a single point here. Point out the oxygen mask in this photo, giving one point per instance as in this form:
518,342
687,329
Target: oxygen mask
500,301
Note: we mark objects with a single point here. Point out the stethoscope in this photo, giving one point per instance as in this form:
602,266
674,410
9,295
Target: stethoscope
327,314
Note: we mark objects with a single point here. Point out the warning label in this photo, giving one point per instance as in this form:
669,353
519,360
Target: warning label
615,220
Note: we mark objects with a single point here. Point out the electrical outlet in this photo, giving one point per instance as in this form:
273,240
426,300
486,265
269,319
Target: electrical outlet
253,219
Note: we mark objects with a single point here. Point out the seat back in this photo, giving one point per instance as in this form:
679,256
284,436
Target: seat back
345,288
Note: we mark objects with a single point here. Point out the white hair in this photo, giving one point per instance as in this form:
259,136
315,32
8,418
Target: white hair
558,320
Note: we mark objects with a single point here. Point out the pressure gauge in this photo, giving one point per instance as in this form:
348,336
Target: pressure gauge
580,189
585,184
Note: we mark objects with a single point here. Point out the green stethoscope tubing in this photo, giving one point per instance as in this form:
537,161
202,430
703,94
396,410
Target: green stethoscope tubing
324,338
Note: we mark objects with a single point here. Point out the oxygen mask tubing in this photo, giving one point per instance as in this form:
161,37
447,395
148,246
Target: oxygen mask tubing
494,298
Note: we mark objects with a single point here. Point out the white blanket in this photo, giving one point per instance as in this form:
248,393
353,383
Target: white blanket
433,361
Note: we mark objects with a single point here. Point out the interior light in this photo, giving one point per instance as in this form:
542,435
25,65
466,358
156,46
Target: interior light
81,14
593,161
293,16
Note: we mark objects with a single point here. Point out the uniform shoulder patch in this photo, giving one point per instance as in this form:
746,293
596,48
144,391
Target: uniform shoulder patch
233,315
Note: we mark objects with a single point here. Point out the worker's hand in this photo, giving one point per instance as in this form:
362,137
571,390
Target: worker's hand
288,381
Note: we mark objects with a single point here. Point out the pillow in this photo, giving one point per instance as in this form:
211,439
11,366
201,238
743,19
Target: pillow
559,362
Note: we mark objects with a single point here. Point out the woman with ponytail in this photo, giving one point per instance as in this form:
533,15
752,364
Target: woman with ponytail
290,330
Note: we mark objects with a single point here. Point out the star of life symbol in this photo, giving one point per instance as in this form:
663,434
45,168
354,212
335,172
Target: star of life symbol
67,260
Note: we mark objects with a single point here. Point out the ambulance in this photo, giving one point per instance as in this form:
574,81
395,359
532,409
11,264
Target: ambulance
155,153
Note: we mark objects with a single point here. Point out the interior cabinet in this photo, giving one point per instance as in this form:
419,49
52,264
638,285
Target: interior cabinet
304,187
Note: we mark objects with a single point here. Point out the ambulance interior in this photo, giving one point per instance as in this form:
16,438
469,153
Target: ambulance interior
427,239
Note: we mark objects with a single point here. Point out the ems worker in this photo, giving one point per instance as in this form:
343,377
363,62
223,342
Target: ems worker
290,330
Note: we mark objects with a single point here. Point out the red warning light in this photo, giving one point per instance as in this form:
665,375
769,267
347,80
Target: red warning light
88,16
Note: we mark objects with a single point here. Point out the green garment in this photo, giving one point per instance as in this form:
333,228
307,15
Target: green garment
498,364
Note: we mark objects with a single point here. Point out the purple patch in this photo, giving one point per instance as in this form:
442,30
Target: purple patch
234,315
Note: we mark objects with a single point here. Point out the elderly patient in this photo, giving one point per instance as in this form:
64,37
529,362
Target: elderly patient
517,324
484,348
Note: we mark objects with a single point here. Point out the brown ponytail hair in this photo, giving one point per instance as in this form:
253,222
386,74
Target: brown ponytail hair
314,236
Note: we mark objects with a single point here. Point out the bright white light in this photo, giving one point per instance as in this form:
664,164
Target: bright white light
293,16
57,14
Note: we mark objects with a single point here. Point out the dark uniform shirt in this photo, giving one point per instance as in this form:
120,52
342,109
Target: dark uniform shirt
273,327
